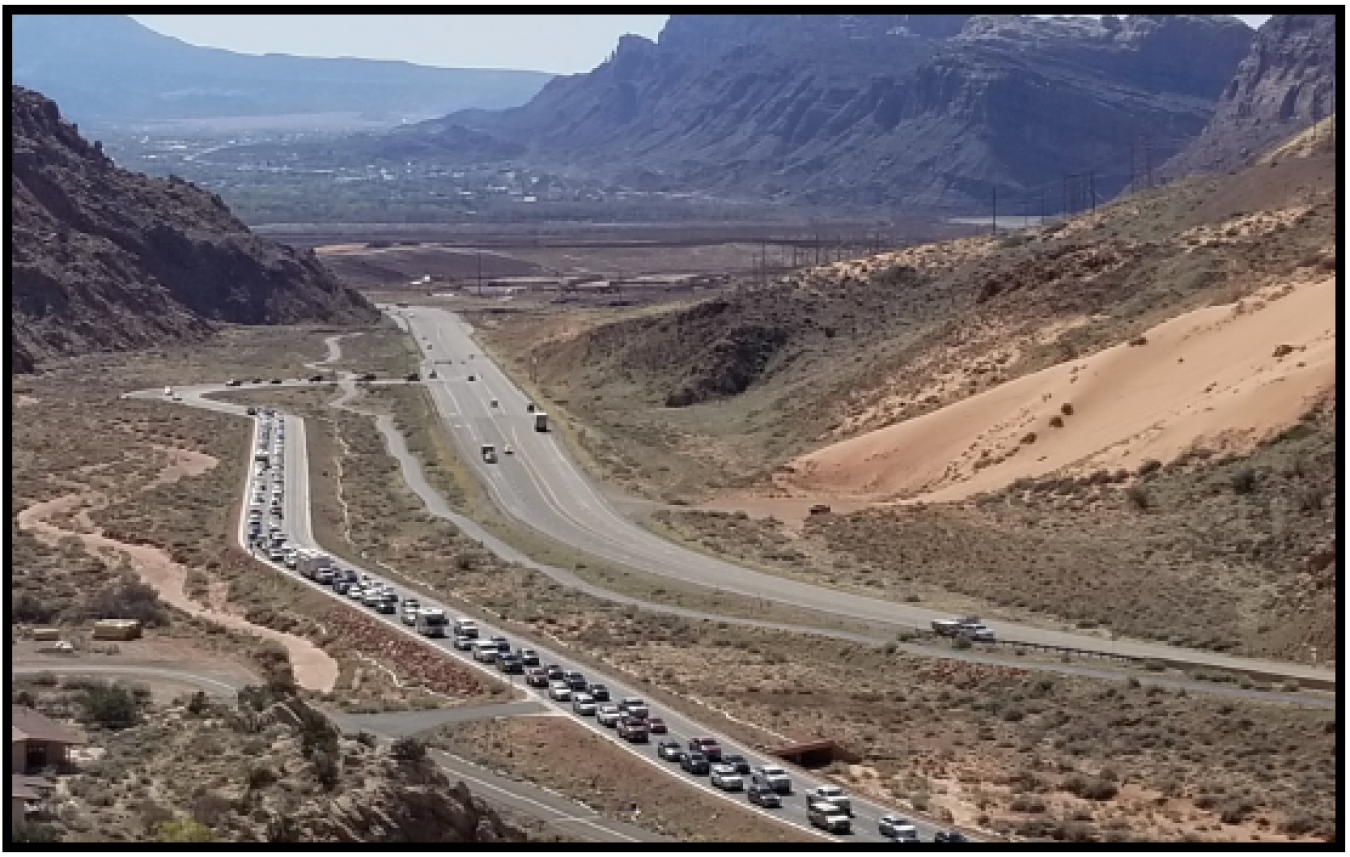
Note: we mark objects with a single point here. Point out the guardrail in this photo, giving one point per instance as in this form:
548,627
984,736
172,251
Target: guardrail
1150,663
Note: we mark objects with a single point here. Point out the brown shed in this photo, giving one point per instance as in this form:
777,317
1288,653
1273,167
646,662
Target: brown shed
117,629
36,741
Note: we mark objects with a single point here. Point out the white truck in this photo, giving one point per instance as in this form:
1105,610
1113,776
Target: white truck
309,562
431,622
540,421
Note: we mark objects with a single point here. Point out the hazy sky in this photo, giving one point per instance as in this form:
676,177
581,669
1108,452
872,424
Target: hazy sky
562,44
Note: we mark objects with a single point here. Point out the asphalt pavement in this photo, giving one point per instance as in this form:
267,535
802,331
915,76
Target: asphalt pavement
540,486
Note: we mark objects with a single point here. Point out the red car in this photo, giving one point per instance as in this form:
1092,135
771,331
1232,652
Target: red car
708,747
656,726
535,677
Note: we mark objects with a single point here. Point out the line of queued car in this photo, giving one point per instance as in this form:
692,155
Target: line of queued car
828,806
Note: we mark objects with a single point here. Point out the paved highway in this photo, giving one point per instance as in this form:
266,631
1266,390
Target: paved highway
540,486
296,518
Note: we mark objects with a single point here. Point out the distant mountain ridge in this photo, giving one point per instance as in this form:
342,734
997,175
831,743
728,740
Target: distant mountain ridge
102,258
926,110
112,69
1287,82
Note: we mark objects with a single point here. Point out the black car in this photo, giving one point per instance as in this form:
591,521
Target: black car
671,751
528,657
252,411
763,796
950,836
554,672
510,664
576,681
599,693
695,763
738,762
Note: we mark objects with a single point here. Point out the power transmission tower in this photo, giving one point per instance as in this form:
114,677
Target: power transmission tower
480,272
993,210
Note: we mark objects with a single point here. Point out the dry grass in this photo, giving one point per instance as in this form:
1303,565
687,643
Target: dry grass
997,724
79,436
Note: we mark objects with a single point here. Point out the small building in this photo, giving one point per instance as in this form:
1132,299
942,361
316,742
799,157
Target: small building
37,742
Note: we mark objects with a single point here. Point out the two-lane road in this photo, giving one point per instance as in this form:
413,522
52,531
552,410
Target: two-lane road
540,486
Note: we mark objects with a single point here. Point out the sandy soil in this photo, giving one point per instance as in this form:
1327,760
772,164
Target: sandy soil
22,400
1221,377
314,668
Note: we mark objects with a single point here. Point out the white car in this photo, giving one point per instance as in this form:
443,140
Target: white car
898,828
831,794
726,778
608,715
583,704
560,691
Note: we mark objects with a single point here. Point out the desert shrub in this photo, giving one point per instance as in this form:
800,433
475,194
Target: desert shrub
1090,788
1148,466
1139,340
1244,481
961,642
183,830
211,808
27,608
1138,497
1066,409
408,749
112,706
326,768
316,733
33,833
128,600
1027,803
261,776
1056,422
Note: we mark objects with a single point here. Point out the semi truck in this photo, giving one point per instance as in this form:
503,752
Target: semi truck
431,622
540,421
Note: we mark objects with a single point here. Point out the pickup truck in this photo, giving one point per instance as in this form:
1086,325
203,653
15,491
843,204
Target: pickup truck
828,817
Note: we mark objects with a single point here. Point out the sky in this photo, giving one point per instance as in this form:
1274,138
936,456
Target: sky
561,44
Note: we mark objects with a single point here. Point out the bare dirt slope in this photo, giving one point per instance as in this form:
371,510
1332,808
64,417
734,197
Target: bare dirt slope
1223,377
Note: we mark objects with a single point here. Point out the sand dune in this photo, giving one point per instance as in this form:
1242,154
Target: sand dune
1210,377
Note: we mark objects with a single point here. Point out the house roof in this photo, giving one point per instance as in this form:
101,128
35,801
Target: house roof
25,724
20,789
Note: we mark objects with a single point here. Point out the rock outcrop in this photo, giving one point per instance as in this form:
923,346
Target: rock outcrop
1287,82
102,258
931,111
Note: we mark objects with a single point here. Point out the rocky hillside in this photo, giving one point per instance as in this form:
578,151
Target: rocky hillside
1286,82
744,381
924,110
103,258
269,769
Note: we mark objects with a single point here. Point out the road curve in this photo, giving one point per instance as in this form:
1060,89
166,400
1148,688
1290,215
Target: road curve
681,728
541,487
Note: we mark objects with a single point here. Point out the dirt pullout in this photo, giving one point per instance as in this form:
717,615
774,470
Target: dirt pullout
1222,376
314,669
